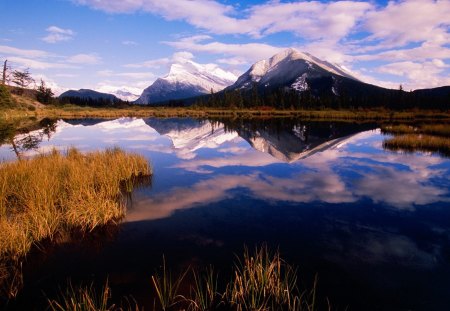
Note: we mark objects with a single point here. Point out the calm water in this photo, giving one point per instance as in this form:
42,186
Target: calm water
373,224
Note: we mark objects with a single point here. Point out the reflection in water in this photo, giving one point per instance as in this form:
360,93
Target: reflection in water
373,223
28,136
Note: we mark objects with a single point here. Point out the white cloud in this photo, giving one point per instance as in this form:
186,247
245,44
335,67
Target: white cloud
8,50
56,34
250,52
154,63
37,64
84,59
419,75
129,42
129,75
402,22
310,19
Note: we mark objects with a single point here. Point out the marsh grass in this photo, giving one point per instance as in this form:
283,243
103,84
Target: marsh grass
83,298
87,298
261,280
53,193
422,137
442,130
72,111
425,143
167,287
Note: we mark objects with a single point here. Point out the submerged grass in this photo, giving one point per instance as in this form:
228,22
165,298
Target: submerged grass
56,192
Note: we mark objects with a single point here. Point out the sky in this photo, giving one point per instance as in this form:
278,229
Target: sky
108,45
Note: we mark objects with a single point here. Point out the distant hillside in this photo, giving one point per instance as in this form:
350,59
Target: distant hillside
87,97
88,94
10,98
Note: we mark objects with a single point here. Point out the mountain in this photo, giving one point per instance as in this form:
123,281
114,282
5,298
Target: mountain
289,68
294,70
293,79
89,94
125,95
185,80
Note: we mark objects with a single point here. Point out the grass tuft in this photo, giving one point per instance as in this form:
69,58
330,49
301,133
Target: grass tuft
425,143
56,192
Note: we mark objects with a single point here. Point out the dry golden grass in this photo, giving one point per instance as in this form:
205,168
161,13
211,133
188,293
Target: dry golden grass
440,129
418,142
72,111
261,281
53,193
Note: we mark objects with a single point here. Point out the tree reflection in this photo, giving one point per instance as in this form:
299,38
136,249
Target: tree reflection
26,137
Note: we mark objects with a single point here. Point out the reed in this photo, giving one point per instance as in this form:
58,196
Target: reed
425,143
83,298
167,287
261,280
441,129
54,193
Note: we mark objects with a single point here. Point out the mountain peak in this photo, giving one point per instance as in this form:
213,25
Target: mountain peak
187,79
290,68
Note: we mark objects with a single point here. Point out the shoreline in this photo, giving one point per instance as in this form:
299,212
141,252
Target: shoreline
89,112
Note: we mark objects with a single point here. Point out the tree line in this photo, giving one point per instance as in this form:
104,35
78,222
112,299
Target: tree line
350,97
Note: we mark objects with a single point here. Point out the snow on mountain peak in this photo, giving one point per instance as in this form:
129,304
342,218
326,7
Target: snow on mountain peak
261,68
187,79
207,77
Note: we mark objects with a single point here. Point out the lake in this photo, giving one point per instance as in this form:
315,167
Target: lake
372,224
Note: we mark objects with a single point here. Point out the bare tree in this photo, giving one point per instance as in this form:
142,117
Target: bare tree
22,78
6,72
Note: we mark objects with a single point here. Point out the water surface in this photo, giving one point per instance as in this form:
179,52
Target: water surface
373,224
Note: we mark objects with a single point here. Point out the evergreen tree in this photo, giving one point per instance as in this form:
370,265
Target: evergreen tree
44,94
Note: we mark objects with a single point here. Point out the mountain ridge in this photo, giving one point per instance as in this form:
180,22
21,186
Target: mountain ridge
185,80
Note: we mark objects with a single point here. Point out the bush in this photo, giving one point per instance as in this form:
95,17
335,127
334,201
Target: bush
6,100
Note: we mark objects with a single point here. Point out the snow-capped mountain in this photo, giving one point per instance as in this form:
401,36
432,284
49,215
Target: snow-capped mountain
187,79
293,69
125,93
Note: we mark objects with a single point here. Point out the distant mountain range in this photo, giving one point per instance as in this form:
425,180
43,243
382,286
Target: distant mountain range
288,79
185,80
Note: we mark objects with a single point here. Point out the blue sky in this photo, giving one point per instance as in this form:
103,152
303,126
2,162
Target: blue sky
126,44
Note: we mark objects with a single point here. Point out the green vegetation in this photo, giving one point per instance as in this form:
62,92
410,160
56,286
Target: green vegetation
6,100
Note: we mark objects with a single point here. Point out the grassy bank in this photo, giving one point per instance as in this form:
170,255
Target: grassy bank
70,111
53,193
260,281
